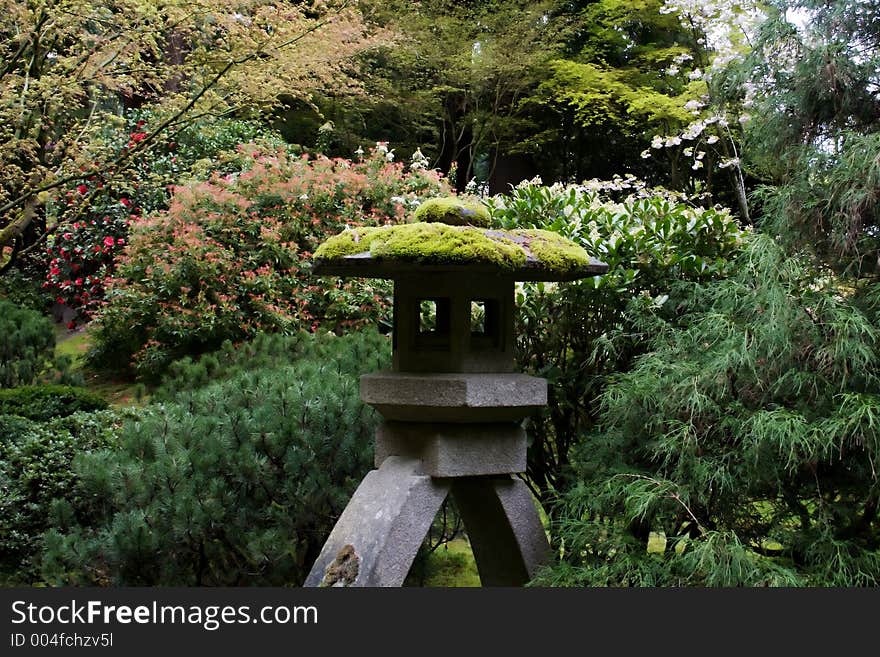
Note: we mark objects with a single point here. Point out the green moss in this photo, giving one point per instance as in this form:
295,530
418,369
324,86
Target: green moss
453,211
452,565
348,242
440,243
427,242
553,250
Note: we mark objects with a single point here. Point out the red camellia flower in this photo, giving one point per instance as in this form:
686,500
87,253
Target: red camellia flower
71,324
78,282
109,241
54,271
125,202
82,189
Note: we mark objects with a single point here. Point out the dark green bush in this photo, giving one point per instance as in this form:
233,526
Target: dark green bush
236,482
27,345
41,403
35,471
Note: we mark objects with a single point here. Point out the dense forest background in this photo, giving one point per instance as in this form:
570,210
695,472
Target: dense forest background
168,168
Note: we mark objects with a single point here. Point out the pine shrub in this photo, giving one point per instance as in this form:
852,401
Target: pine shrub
27,345
235,479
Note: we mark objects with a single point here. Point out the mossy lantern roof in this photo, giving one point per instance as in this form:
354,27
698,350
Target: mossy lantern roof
452,236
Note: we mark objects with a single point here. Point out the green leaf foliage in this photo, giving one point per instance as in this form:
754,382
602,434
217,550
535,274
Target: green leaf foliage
748,434
235,478
598,95
36,473
650,241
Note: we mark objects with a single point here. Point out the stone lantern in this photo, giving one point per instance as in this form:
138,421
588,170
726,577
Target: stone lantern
452,403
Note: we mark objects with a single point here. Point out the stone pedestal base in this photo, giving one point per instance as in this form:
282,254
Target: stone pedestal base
455,450
379,533
455,433
377,536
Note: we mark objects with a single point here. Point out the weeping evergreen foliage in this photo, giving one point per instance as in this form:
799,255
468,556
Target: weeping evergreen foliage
748,437
236,478
743,448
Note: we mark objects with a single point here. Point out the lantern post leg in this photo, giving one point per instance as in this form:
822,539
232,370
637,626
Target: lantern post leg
378,535
505,531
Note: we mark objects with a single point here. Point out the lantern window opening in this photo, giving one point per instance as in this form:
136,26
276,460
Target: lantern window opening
485,322
434,323
478,317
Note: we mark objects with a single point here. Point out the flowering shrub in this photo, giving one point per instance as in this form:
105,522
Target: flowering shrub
232,256
78,258
93,216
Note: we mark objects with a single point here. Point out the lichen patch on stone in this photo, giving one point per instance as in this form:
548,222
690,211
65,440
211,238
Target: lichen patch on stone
343,570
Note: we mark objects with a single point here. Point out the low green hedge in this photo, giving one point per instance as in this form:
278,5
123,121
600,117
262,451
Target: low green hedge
42,403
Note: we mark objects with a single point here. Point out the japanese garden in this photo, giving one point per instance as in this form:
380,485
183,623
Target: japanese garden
432,293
